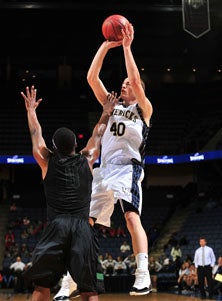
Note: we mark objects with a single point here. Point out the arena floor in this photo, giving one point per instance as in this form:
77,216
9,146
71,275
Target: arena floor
9,296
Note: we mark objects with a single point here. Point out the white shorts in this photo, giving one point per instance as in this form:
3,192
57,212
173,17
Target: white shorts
113,183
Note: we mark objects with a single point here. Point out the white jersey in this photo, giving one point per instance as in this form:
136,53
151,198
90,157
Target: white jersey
125,136
119,177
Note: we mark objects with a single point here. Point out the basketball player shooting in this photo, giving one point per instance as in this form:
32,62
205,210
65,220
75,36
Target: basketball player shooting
123,147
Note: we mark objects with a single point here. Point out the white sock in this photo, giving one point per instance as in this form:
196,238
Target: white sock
142,261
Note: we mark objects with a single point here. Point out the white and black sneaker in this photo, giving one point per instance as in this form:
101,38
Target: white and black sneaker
142,284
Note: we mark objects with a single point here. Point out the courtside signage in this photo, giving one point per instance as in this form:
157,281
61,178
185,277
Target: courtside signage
176,159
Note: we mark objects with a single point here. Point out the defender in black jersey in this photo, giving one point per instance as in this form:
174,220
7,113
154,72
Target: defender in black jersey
69,242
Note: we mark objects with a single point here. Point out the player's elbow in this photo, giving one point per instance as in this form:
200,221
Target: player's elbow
90,79
136,83
93,80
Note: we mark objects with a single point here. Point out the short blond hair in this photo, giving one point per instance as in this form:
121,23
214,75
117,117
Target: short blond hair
143,84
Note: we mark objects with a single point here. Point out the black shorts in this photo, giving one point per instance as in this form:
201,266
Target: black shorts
67,243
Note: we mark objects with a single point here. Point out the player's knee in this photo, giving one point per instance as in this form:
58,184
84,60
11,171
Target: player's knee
132,219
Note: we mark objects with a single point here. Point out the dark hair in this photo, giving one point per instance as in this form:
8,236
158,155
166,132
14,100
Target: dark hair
64,141
143,84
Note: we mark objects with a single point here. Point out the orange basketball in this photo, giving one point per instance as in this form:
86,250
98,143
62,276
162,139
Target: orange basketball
111,27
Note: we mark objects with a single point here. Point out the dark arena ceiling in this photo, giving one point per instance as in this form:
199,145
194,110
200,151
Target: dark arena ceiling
52,43
42,35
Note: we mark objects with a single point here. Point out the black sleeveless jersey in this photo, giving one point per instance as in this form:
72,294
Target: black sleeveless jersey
67,186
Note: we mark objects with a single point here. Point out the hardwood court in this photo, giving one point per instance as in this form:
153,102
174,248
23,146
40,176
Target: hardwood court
110,297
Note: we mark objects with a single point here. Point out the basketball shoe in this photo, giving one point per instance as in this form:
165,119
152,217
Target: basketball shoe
142,284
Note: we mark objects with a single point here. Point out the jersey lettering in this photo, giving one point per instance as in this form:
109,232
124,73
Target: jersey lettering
72,178
128,114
